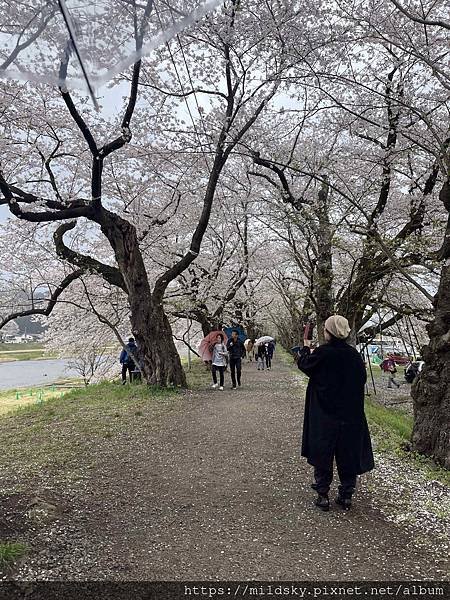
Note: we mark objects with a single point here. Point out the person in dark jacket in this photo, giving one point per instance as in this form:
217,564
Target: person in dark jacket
270,348
236,352
412,370
126,359
261,352
335,425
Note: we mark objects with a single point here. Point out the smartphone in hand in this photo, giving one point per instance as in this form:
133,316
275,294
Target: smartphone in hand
308,331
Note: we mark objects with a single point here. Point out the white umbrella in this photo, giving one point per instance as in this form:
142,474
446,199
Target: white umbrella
264,339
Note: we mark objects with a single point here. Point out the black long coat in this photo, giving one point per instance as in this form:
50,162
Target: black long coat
335,424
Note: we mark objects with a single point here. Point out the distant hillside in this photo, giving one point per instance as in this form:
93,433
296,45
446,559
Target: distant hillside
26,325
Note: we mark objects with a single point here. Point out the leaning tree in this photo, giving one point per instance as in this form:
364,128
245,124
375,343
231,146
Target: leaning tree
233,44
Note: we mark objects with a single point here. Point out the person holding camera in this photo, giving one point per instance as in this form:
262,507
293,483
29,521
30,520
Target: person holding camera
335,426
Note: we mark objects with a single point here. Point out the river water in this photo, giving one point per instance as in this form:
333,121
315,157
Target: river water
24,373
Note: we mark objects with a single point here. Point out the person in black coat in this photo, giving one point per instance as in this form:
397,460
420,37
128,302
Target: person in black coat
335,425
236,351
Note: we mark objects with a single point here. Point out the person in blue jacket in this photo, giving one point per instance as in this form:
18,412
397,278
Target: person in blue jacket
126,359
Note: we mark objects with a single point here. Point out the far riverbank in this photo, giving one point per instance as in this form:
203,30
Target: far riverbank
24,373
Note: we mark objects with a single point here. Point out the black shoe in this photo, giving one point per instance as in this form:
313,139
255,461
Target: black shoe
345,503
322,502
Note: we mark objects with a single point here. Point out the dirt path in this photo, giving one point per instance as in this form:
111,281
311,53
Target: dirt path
215,488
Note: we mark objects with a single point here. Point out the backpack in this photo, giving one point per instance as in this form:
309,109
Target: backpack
129,359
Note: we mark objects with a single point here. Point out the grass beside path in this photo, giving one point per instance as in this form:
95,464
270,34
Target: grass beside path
53,434
398,423
392,430
17,399
10,552
59,436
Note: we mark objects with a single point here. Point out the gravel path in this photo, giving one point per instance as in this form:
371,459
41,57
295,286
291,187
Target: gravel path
214,488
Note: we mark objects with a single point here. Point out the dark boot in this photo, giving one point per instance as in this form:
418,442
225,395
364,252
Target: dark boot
346,490
322,502
345,503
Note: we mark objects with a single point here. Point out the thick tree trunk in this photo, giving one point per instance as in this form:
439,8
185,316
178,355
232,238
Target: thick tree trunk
355,319
160,361
431,391
251,329
323,274
209,324
205,321
201,316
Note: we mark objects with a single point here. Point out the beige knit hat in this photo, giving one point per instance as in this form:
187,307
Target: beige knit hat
338,326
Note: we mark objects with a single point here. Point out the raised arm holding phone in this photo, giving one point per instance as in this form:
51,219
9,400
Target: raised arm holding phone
335,426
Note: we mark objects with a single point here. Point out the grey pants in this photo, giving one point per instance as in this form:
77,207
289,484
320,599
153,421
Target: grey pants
391,380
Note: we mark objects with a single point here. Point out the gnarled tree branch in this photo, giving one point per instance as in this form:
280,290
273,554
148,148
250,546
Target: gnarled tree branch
111,274
51,302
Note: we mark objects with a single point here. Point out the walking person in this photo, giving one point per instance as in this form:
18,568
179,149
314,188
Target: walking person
219,361
249,347
270,347
261,356
411,370
335,425
126,359
389,368
236,352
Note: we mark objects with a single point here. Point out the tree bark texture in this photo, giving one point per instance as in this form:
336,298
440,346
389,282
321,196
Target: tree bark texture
160,361
431,390
323,273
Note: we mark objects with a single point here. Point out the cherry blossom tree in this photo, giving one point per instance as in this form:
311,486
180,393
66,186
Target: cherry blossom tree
238,41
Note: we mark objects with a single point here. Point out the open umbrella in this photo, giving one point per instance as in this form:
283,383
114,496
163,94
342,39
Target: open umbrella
207,342
264,339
